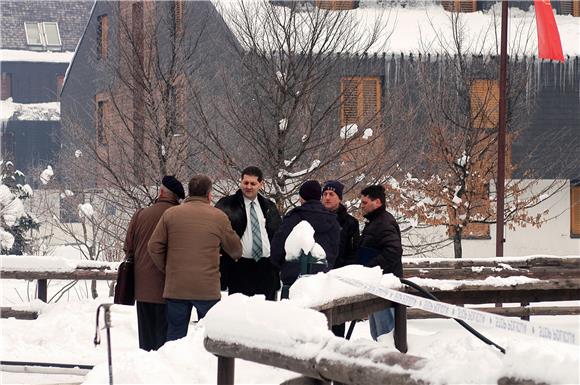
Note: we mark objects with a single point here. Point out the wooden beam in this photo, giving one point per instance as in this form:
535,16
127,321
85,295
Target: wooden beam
505,311
79,274
8,312
337,361
565,263
484,272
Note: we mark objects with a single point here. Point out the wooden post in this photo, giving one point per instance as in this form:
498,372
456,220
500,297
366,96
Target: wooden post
526,316
226,367
400,328
42,290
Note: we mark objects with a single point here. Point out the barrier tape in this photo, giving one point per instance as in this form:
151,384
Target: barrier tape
468,315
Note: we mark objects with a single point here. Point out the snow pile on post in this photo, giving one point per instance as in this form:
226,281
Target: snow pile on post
255,322
320,289
301,241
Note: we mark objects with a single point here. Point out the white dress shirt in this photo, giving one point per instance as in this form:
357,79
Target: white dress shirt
247,236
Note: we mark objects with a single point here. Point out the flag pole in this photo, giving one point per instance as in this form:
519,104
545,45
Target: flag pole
500,186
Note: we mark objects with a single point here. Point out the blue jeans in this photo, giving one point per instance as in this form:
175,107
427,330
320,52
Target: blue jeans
178,313
382,322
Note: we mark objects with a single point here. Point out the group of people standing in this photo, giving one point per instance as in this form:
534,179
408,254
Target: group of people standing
186,254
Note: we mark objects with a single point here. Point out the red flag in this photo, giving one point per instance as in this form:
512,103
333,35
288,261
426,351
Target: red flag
549,45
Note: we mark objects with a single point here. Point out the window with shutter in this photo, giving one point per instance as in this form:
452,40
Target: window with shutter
102,37
6,86
570,8
484,95
575,208
360,101
178,16
460,5
337,5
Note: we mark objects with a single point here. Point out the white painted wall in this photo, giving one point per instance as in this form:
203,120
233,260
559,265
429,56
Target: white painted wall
553,238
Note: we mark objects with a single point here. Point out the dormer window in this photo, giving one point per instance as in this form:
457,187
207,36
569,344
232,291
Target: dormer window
43,35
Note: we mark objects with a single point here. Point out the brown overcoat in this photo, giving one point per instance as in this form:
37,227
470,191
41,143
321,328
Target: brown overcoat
149,280
186,245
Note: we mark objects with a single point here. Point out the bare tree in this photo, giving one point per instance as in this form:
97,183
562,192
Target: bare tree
142,129
454,184
299,100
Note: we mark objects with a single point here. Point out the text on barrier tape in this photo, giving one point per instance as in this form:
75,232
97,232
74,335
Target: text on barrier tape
466,314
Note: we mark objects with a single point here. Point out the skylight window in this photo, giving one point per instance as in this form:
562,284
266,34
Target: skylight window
44,34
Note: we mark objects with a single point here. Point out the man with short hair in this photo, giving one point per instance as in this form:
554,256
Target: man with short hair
186,246
380,245
255,219
349,231
149,280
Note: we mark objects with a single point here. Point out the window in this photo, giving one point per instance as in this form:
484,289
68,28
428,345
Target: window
360,101
575,208
178,16
337,5
59,84
484,96
102,37
101,121
51,34
570,7
69,206
460,5
44,34
6,86
33,36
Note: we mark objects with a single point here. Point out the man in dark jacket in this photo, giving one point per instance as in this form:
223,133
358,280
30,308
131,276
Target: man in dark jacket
255,224
326,232
149,280
349,231
380,245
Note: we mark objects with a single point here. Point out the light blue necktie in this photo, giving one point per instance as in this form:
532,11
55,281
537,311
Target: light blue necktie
256,233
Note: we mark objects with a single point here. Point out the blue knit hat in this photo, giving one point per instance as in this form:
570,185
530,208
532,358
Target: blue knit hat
334,185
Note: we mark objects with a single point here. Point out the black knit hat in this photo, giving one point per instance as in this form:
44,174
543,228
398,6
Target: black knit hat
334,185
173,185
310,190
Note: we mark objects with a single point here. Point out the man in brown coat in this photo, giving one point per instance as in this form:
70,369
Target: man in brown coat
186,246
149,280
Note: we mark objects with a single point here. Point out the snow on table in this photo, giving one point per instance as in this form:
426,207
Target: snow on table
50,263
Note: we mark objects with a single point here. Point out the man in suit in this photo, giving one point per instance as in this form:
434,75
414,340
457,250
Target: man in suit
255,219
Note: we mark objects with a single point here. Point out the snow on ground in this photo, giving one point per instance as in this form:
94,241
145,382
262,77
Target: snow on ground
64,333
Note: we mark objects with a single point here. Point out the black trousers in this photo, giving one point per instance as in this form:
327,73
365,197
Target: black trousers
152,323
249,277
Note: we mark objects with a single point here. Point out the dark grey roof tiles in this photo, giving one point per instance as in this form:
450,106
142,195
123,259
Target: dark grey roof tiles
72,17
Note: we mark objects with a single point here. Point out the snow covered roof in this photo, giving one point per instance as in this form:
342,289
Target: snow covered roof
14,55
420,28
29,111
